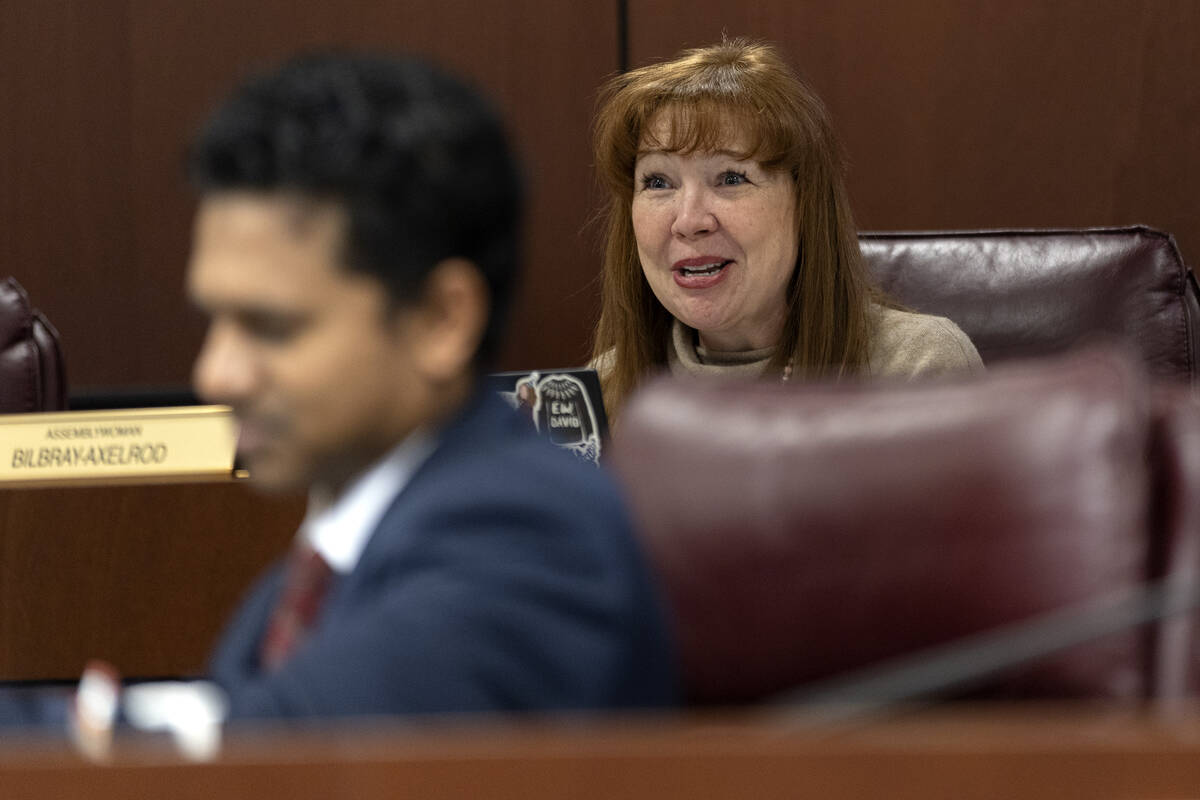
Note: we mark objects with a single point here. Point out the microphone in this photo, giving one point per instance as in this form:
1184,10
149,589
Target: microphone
911,677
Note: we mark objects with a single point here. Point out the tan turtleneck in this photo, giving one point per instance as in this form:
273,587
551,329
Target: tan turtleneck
903,344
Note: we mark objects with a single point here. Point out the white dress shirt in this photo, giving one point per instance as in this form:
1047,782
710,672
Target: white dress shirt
339,531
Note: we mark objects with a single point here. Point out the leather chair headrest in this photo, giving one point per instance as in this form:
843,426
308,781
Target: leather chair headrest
801,531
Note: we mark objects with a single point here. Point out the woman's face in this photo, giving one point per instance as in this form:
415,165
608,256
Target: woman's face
717,241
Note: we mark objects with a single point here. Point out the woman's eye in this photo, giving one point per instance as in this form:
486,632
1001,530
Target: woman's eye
654,182
732,178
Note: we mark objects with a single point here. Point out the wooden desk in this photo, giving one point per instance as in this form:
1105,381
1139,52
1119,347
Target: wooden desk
965,756
142,576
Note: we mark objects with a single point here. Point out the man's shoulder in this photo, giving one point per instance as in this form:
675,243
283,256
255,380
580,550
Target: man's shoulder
499,506
492,470
501,446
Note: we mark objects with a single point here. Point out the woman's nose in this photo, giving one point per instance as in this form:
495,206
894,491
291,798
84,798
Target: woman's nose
694,215
224,371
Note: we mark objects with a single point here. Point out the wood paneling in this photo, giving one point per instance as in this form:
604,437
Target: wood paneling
990,113
144,577
65,231
101,96
955,115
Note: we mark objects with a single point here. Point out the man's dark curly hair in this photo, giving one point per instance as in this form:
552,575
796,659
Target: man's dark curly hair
418,160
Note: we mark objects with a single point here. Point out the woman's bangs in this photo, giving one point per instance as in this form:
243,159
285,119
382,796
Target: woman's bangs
710,126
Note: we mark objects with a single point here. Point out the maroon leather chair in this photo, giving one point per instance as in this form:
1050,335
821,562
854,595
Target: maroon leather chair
802,532
1175,455
1029,293
32,370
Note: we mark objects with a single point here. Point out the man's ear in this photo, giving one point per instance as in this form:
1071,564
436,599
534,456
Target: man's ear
450,320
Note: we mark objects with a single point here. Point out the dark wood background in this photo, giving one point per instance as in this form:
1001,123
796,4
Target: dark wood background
955,114
143,577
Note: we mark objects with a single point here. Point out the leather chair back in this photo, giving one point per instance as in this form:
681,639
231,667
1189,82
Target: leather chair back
32,369
1031,293
803,532
1175,454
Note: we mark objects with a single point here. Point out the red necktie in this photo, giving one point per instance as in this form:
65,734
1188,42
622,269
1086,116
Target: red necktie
305,585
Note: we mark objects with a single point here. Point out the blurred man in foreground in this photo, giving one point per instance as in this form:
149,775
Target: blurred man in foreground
355,248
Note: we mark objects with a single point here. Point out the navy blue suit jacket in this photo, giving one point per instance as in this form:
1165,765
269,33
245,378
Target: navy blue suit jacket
503,577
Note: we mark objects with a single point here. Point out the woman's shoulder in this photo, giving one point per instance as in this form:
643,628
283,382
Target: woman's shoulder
604,362
908,344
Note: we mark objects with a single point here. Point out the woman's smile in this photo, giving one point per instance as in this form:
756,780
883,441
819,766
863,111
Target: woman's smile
703,272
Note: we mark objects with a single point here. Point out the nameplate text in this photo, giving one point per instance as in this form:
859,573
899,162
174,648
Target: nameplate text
145,443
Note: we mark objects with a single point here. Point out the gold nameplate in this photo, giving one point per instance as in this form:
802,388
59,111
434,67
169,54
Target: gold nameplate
143,444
